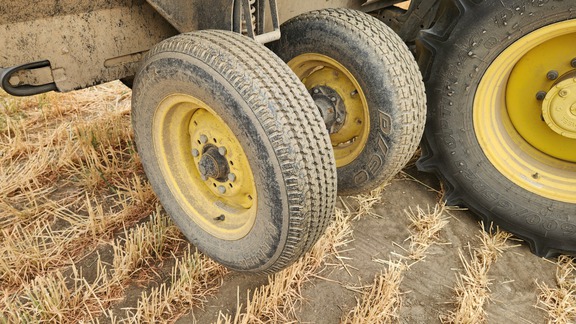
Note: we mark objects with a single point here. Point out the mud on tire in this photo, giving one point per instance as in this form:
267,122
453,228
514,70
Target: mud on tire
250,110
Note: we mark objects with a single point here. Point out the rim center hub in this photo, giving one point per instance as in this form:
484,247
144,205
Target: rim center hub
331,107
559,108
213,164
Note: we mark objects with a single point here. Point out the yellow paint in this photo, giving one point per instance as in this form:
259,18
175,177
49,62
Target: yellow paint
320,70
179,122
508,117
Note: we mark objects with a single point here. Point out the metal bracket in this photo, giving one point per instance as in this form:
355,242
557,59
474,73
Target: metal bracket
25,90
253,14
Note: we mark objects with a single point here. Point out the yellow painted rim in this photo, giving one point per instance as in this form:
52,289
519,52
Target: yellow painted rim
320,70
184,128
509,120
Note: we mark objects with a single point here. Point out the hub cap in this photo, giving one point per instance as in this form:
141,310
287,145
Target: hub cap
559,108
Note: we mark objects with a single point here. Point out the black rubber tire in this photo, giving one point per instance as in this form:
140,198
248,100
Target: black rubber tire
454,55
278,126
387,73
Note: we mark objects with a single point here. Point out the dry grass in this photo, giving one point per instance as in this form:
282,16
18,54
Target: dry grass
366,202
560,302
69,182
381,302
472,288
55,298
194,277
277,302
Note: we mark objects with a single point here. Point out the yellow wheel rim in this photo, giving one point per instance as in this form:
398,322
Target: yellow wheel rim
319,70
523,112
189,139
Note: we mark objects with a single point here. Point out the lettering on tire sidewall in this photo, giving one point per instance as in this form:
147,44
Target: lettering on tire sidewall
379,151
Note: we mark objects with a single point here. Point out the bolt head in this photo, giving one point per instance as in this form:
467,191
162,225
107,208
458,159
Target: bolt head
316,91
552,75
203,139
222,189
195,153
333,99
541,95
573,63
563,93
222,150
231,177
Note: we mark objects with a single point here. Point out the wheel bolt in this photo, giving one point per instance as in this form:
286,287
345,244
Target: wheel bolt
573,63
541,95
333,99
222,189
316,91
563,93
195,153
222,151
552,75
203,139
231,177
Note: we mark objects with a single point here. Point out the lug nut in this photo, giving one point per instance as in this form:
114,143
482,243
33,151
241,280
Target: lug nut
333,99
222,189
573,63
195,153
541,95
222,150
231,177
203,139
552,75
316,91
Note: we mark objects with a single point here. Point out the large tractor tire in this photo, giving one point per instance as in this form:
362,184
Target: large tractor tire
501,128
367,85
235,149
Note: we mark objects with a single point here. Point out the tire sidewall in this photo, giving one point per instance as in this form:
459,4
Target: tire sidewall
482,33
163,75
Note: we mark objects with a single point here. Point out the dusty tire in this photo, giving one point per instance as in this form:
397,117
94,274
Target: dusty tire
487,134
262,201
377,81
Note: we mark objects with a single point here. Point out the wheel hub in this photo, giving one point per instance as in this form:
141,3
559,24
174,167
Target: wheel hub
214,165
331,107
559,108
347,118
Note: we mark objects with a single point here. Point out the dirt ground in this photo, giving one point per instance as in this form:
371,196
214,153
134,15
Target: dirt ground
85,240
428,287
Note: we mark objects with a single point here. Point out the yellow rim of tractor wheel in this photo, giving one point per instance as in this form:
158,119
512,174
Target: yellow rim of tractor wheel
186,130
525,112
320,70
